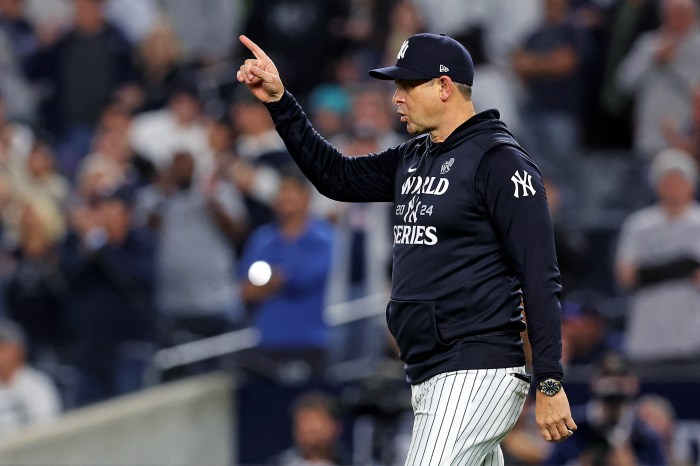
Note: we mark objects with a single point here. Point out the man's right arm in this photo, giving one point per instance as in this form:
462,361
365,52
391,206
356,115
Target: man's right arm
367,178
358,179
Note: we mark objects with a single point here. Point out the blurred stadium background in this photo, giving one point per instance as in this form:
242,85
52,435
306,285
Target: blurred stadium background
139,184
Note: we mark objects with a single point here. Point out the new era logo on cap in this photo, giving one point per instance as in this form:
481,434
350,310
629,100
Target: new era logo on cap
426,56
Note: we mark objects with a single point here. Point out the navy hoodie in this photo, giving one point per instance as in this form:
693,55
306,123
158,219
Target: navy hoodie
473,241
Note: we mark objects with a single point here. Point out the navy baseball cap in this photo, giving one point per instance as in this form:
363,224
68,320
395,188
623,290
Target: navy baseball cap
427,56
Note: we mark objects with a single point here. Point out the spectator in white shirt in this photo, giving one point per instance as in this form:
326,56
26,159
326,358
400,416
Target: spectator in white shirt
27,396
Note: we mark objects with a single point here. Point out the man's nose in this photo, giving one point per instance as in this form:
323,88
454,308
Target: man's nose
398,97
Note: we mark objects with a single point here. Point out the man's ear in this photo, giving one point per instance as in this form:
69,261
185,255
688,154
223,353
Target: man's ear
446,87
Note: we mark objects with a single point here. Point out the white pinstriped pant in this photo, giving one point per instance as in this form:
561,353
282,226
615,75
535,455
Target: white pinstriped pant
461,417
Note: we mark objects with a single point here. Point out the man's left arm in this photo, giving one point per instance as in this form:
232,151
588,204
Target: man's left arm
512,191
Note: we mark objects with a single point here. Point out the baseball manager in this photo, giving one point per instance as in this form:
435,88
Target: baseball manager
473,242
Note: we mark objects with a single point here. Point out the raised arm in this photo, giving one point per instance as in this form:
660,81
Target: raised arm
351,179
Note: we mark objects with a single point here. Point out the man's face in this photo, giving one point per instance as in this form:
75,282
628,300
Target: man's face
115,217
292,199
418,103
675,190
678,15
314,430
182,171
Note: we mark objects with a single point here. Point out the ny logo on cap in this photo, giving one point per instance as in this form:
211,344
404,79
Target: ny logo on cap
402,50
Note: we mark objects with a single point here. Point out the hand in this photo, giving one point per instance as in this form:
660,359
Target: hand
553,416
666,48
242,175
260,74
622,455
83,219
695,277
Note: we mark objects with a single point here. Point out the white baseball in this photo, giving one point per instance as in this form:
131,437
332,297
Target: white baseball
259,273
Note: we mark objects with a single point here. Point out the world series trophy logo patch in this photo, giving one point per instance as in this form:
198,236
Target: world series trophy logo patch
446,166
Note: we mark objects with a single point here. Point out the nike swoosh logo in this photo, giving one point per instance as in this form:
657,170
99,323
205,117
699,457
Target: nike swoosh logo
411,170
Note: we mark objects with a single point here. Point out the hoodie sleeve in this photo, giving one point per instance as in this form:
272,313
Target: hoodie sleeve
367,178
510,187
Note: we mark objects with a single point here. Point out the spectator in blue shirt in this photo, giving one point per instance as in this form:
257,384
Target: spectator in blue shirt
287,295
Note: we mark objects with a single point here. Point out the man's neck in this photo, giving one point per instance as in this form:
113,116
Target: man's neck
674,211
451,122
293,227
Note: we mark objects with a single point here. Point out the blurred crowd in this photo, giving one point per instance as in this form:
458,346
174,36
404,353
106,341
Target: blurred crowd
146,199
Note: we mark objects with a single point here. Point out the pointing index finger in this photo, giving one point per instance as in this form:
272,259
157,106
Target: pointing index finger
253,47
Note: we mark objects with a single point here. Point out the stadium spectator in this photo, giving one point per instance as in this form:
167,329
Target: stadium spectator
316,430
609,430
362,246
658,413
584,332
27,396
573,256
609,116
109,270
549,64
658,260
83,69
287,305
405,19
505,23
361,251
685,135
134,18
181,126
159,64
660,71
37,176
35,291
95,176
330,106
14,87
112,144
496,87
16,139
18,29
206,33
261,154
197,225
283,27
49,18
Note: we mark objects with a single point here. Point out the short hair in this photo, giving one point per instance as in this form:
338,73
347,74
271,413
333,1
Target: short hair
291,172
660,403
465,90
11,332
318,401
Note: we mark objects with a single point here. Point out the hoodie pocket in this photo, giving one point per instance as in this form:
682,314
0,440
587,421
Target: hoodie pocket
412,323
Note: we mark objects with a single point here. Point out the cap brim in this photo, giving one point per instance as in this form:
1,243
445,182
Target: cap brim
395,72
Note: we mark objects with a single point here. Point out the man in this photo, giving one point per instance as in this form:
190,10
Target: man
658,260
195,294
288,305
472,237
316,429
659,72
27,396
108,266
